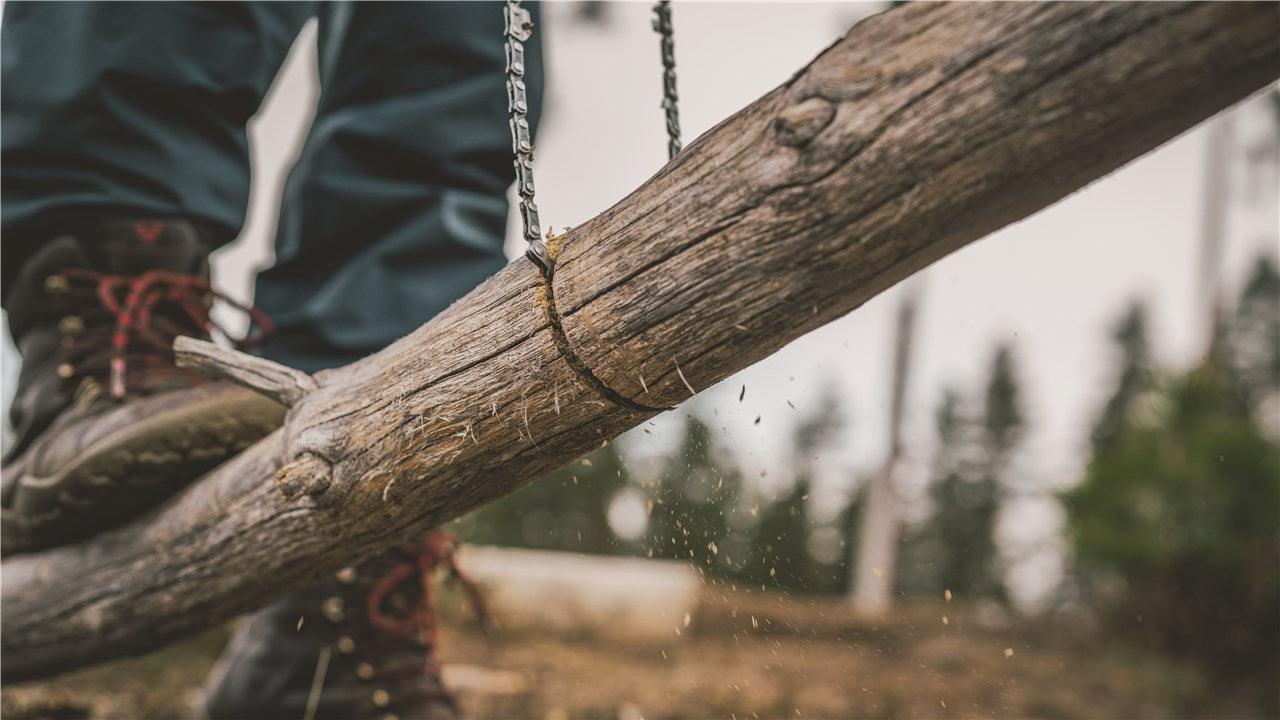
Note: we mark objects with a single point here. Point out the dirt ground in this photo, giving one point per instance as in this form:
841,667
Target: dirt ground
741,655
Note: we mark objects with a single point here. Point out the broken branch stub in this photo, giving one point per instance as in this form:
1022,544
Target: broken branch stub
278,382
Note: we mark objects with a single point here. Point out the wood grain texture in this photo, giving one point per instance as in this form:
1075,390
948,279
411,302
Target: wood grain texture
922,130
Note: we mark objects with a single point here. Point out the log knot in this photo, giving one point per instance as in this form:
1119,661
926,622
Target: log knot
843,81
796,125
309,475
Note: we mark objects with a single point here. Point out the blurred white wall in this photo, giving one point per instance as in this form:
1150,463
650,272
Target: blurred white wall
631,599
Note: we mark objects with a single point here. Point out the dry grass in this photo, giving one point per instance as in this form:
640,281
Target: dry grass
741,656
747,656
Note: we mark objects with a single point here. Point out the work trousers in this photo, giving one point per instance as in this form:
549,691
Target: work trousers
395,208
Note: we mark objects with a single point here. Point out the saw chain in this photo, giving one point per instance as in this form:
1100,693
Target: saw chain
518,29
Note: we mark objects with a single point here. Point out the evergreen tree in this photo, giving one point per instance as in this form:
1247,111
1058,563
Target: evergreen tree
1174,526
1003,427
780,539
692,501
565,510
815,431
1003,423
1174,531
849,525
1253,337
779,543
1134,376
955,547
934,554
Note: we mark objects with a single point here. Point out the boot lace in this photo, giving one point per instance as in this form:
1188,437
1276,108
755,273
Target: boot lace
131,322
418,620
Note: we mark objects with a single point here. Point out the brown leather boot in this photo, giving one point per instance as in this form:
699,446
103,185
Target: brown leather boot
106,423
360,646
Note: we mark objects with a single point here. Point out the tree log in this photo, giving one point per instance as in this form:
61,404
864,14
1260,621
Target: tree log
920,131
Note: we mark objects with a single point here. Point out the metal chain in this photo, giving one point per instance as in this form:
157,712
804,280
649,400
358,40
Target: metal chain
662,25
519,28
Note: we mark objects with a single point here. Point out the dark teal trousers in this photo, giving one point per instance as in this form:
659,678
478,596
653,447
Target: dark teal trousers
395,208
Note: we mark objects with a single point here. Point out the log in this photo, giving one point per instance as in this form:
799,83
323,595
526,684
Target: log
921,130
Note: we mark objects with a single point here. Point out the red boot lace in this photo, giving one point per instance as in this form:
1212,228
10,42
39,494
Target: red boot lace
141,336
434,551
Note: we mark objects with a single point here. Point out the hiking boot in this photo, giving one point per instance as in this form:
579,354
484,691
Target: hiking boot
106,424
361,645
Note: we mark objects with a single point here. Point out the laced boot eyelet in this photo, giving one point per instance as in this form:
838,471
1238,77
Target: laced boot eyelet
346,645
381,698
66,371
71,325
57,285
334,609
364,671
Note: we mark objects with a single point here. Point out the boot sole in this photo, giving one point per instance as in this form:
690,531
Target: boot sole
132,468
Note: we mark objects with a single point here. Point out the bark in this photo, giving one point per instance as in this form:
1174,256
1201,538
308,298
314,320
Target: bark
922,130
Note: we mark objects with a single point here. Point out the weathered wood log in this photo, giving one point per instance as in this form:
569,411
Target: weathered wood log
921,130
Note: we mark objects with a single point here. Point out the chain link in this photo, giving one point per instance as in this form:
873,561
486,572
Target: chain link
519,28
662,25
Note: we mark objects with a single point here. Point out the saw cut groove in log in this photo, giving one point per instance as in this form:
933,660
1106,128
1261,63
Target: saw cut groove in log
547,299
923,129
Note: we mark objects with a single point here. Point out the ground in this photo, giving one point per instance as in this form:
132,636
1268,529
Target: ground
741,655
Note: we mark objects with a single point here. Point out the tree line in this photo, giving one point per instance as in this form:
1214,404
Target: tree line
1171,530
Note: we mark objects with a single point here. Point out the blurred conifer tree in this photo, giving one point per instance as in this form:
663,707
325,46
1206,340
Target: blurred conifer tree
955,547
1174,527
566,510
693,501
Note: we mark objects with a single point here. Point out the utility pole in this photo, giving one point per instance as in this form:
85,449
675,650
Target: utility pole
1213,227
877,549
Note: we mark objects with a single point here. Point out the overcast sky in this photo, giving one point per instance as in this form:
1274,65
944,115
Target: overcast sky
1051,284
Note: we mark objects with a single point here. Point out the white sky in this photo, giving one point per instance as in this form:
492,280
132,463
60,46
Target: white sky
1053,283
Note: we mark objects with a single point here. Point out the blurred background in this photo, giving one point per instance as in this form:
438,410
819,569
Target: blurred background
1040,478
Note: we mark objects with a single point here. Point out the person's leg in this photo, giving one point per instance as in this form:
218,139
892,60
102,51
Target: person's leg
124,161
397,205
396,208
134,109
